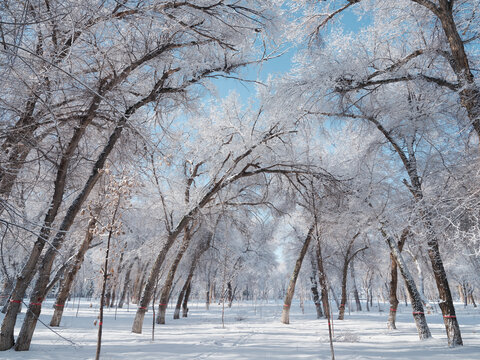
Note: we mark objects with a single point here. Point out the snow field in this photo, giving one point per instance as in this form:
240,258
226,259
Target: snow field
252,331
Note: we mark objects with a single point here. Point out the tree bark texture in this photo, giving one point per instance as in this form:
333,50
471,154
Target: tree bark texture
167,286
417,306
102,297
185,292
126,284
348,257
39,292
293,279
185,300
392,315
67,283
314,286
355,289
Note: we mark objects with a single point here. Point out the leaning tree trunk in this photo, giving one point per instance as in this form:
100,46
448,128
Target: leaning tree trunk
392,316
152,278
293,280
185,292
178,305
446,303
469,95
185,300
167,286
67,283
417,306
39,291
126,284
28,271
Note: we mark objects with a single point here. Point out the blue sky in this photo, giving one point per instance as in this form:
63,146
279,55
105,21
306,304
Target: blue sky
277,66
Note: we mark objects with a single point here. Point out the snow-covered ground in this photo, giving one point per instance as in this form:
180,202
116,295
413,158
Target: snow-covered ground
252,331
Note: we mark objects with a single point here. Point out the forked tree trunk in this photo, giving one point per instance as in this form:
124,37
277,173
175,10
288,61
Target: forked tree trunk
220,184
185,292
20,139
150,285
67,283
293,279
417,306
347,259
471,299
392,315
178,305
167,286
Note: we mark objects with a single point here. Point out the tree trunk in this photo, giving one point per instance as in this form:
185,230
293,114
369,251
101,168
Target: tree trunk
355,289
392,316
126,284
178,306
324,285
165,294
314,286
229,294
469,96
207,296
185,292
185,300
348,257
115,279
150,285
5,297
6,332
417,306
39,292
67,283
446,303
293,280
415,187
316,297
102,297
341,309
